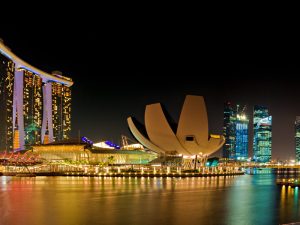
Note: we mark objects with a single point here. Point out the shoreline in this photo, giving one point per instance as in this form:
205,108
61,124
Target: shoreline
80,174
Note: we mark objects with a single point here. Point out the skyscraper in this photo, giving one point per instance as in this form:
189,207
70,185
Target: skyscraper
35,106
297,138
262,136
32,107
229,130
235,131
241,142
61,111
7,69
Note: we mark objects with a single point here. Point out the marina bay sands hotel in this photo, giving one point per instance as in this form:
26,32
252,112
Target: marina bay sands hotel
35,106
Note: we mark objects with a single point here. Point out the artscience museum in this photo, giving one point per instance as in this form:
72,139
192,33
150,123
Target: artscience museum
189,138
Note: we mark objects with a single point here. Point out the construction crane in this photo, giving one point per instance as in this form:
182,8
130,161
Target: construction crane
124,140
244,109
132,146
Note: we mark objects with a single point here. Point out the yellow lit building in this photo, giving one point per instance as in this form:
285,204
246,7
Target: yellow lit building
72,150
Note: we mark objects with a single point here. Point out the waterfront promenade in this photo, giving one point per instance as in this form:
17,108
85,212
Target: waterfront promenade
120,171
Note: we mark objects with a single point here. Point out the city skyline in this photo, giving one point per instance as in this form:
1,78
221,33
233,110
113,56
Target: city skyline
159,74
104,99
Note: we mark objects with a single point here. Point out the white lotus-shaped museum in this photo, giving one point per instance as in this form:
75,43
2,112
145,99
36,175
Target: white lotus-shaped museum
191,137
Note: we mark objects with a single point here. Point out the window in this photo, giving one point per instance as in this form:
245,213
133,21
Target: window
189,138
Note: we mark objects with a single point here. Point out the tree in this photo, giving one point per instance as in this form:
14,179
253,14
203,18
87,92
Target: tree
31,132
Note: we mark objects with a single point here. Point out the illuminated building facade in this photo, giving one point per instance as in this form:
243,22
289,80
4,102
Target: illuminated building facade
297,138
229,130
61,111
262,136
32,107
7,68
235,131
241,141
85,151
35,107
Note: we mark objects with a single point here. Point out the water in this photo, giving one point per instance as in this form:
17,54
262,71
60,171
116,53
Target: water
248,199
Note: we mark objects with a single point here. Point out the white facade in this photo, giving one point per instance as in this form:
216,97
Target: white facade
192,136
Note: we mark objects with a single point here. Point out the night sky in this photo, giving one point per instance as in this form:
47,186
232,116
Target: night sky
120,69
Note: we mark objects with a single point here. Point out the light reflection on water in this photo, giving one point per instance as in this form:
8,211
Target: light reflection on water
82,200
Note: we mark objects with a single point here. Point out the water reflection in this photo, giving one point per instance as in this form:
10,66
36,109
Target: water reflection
289,203
251,200
83,200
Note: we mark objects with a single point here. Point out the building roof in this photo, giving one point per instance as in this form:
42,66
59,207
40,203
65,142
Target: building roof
73,141
20,64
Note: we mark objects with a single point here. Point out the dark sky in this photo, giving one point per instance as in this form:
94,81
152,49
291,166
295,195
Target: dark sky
119,69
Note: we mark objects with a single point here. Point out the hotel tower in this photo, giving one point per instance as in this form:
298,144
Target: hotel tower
35,106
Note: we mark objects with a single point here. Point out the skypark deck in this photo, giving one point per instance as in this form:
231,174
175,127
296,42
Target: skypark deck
22,65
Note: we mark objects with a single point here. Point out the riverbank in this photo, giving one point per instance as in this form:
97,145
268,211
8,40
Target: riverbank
81,174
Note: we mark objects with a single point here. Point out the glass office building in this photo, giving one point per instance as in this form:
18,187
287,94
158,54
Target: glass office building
235,131
229,131
262,134
241,140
